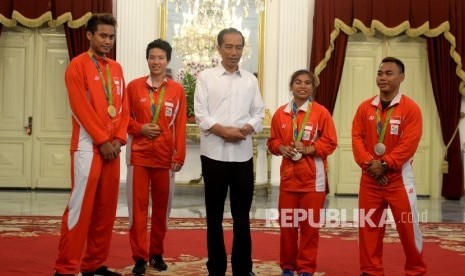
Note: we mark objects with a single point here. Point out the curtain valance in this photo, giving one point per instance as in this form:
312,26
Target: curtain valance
54,12
429,18
440,21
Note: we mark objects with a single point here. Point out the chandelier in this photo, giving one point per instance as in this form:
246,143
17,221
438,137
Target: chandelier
259,4
195,39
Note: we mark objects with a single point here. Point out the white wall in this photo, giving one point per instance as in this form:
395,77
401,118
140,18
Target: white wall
288,42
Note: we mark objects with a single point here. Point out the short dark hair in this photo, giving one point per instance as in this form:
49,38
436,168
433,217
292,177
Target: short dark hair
397,61
302,72
100,19
161,44
229,31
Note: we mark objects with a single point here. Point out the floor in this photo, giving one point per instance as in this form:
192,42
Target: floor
189,203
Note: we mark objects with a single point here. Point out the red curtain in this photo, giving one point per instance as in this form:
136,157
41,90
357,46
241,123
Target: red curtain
429,18
76,40
445,86
74,13
330,78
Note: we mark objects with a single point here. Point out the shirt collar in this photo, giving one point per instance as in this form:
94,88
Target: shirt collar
97,57
376,101
149,82
222,71
288,107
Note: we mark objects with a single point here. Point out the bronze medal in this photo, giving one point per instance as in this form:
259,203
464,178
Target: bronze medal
111,111
380,149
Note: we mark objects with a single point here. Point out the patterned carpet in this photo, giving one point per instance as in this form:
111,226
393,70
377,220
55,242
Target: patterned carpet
186,253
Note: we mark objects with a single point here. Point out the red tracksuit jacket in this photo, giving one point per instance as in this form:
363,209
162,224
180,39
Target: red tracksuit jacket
170,145
403,134
309,173
92,126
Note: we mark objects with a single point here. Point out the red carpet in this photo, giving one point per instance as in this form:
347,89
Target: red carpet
28,246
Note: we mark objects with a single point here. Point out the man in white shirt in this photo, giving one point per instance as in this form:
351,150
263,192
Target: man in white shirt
228,109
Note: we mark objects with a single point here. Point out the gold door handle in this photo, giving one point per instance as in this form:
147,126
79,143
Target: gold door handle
28,128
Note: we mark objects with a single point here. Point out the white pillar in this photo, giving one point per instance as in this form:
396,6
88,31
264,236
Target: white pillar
289,25
137,26
294,49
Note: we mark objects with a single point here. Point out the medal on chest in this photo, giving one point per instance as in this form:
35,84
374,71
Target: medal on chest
380,147
111,111
297,134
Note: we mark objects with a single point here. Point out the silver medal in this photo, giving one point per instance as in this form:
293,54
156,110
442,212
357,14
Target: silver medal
380,149
297,156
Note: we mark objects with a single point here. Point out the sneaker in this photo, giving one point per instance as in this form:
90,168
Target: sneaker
156,261
139,267
101,271
59,274
251,274
287,272
305,274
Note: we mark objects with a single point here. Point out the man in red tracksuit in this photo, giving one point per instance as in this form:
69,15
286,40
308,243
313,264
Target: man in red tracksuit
303,132
98,101
156,149
386,131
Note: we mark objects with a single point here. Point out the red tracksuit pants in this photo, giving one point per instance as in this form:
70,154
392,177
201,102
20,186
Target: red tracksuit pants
90,214
299,210
142,182
373,204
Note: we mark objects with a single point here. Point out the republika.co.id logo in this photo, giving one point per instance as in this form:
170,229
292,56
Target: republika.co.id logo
339,217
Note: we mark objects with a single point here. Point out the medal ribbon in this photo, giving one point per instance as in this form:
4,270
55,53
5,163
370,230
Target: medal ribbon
106,85
381,128
296,133
156,110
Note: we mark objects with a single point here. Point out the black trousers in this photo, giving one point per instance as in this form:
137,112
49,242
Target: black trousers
238,177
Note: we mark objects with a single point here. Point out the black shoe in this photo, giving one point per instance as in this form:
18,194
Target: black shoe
140,267
156,261
101,271
287,272
59,274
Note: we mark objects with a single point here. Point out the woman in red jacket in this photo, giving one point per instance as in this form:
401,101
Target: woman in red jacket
156,148
303,132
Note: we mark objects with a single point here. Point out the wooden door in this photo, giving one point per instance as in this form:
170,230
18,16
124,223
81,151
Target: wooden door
51,165
359,83
33,95
16,96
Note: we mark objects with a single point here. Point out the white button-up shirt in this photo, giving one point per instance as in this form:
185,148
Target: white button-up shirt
229,99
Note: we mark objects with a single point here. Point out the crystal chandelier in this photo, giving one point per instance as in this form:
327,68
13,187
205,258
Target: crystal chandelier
195,39
259,4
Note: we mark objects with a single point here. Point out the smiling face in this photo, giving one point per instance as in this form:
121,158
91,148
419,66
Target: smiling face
102,40
157,62
388,80
302,88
